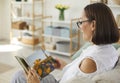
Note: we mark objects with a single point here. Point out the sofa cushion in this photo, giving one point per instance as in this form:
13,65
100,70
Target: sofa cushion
112,76
116,45
118,50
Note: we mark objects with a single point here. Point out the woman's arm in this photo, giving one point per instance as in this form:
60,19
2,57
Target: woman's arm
88,66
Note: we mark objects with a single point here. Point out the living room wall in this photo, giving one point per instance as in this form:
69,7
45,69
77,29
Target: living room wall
4,19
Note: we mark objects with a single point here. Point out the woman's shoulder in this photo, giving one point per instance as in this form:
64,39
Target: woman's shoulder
101,50
88,65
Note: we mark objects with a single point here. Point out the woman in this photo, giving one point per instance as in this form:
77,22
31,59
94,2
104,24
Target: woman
98,27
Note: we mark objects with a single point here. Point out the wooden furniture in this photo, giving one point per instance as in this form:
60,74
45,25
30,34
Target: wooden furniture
102,1
26,19
51,35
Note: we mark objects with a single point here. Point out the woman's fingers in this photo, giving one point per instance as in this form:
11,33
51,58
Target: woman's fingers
29,74
61,63
32,77
34,72
29,77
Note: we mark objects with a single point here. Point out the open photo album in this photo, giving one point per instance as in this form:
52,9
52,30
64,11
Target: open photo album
23,63
42,65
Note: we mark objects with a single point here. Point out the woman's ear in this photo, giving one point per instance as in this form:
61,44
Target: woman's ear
93,25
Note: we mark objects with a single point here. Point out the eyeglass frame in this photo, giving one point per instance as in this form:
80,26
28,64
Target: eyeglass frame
80,22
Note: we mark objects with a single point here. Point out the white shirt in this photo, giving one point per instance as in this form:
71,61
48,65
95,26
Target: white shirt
105,57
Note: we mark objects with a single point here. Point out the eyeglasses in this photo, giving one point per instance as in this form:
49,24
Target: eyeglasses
80,22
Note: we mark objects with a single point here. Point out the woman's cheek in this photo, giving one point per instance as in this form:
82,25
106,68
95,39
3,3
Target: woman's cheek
82,29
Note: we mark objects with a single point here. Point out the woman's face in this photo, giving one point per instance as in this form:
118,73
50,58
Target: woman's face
86,27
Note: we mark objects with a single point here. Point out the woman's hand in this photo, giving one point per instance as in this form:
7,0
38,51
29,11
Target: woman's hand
61,63
32,77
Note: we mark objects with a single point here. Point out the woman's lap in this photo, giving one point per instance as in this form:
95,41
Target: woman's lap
19,77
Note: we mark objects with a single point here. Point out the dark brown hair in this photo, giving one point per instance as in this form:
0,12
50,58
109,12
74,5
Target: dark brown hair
106,31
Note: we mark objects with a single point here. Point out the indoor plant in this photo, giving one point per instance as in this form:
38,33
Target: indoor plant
61,9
